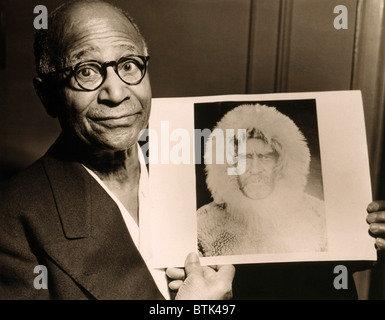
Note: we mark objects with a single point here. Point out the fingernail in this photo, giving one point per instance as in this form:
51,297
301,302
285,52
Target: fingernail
380,242
193,256
373,228
372,207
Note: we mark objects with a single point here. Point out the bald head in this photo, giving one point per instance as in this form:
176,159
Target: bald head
71,22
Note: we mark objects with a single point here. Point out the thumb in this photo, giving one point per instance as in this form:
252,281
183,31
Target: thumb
192,265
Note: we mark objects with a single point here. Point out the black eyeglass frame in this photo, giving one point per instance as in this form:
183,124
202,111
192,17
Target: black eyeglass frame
103,69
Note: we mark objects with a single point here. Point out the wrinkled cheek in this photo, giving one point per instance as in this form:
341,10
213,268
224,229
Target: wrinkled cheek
77,124
75,106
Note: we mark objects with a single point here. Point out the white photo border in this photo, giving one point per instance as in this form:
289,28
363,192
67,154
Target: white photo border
345,169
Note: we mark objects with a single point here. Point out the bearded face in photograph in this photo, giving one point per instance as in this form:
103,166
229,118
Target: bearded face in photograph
264,208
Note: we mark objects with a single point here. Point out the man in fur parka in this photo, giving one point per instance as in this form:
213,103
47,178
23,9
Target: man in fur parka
263,209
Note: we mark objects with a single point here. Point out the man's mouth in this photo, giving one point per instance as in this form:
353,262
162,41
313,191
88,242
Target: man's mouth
258,179
126,120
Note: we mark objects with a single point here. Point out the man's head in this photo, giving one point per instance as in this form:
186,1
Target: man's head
276,155
105,106
261,158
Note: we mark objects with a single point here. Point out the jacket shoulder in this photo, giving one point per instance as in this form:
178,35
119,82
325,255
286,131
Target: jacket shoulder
25,185
20,211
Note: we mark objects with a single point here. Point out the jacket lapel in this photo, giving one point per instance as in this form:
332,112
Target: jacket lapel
96,249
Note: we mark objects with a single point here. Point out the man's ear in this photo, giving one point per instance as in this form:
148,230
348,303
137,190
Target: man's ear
46,93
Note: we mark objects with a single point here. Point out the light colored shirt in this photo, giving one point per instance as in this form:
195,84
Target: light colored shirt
140,238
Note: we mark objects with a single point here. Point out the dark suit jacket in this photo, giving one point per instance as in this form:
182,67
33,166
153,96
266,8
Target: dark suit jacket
55,214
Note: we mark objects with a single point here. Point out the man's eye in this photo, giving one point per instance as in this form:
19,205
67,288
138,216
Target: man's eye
265,157
128,67
87,73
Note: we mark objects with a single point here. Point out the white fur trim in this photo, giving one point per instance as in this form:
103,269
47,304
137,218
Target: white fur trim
295,155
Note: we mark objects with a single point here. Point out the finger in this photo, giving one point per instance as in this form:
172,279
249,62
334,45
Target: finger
175,285
193,265
208,271
376,217
175,273
377,205
227,272
377,228
380,243
226,275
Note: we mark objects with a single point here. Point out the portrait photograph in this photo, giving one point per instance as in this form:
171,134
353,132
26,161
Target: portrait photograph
274,202
259,178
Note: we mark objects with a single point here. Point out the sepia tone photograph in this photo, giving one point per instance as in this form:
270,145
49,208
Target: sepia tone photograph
86,215
276,203
260,178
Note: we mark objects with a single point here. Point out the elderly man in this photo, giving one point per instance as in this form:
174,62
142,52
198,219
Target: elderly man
263,209
79,211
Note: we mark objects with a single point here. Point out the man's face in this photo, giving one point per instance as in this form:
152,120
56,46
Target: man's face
111,117
258,181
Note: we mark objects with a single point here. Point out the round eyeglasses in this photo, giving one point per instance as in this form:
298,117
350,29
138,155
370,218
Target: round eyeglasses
90,75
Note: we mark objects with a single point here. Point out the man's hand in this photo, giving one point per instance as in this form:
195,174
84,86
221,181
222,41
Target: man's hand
195,282
376,221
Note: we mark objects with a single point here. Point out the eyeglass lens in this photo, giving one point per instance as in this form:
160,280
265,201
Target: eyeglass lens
91,75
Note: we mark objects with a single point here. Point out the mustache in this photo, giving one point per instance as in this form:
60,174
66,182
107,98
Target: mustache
258,178
121,110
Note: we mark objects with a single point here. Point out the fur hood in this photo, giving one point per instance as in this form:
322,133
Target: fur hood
288,219
294,155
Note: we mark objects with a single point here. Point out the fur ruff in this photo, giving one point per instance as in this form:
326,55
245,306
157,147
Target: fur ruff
288,215
294,152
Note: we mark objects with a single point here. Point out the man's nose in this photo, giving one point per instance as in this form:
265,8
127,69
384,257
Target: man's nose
255,165
113,90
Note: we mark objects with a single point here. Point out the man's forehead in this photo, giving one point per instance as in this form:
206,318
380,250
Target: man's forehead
86,28
92,52
254,145
95,9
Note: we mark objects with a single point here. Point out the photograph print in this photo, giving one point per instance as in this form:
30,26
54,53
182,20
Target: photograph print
259,183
